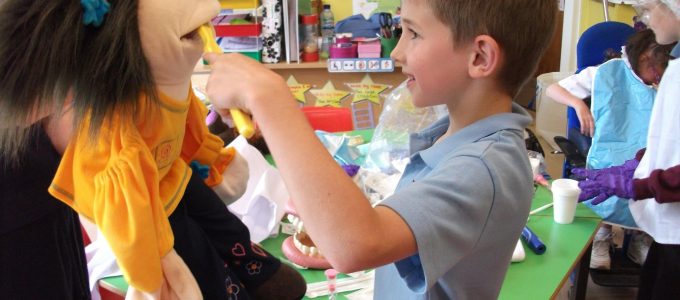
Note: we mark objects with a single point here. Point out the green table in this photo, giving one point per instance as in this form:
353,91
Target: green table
568,249
537,277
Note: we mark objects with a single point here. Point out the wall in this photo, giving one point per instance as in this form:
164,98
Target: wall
592,12
341,8
578,16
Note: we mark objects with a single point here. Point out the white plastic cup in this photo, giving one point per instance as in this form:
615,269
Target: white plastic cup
565,197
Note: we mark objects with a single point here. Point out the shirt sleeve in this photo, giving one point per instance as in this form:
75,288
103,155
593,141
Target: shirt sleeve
128,210
445,216
203,146
115,182
662,185
580,85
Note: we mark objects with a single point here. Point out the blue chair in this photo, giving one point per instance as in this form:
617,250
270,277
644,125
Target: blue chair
591,50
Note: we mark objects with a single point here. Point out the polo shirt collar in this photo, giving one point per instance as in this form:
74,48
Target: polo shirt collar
422,142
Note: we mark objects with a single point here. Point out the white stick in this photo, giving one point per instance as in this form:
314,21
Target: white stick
540,209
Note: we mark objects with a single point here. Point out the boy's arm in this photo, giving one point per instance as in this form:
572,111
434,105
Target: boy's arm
351,234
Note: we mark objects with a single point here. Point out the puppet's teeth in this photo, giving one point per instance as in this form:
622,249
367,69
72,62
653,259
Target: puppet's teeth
308,250
293,219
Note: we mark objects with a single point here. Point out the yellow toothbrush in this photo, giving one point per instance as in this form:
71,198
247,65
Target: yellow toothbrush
243,123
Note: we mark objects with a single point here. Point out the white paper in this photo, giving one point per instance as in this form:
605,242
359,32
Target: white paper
263,204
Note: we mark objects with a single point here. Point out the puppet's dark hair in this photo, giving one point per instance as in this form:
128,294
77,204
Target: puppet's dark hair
47,54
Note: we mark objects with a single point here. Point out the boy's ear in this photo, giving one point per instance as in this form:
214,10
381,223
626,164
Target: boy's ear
485,58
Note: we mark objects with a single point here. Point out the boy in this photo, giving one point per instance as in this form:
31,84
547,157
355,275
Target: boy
449,230
655,185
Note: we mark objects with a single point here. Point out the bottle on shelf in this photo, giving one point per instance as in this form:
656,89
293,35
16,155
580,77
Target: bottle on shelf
327,30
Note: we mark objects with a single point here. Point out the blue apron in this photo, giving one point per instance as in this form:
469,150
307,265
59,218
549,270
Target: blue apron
621,107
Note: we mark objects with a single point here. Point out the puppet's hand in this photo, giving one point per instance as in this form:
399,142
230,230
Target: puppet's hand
135,294
178,281
234,180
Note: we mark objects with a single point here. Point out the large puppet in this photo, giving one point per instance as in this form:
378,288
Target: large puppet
121,72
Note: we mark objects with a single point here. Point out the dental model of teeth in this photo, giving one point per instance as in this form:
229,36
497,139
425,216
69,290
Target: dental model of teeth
300,248
301,240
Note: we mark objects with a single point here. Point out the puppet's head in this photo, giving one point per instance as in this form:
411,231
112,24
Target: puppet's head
92,56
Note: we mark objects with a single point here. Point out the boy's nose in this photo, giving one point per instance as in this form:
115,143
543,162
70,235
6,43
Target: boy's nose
397,53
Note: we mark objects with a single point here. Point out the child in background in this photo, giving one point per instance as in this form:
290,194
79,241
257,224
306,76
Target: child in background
621,89
655,184
449,230
645,58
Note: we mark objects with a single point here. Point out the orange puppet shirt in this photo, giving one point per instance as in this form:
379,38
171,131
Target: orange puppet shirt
132,177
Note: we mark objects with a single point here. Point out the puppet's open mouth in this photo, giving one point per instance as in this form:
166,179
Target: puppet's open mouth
300,248
191,35
301,239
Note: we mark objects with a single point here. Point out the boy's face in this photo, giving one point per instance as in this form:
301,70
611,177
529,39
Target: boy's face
662,20
436,71
168,32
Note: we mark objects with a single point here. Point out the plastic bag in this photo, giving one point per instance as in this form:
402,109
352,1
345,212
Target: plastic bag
388,152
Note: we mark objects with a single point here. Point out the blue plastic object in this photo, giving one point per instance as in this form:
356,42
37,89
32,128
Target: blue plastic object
359,26
532,241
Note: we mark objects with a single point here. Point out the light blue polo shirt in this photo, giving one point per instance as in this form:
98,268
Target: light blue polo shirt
466,200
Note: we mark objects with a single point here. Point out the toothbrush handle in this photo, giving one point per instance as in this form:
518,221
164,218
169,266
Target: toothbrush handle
243,123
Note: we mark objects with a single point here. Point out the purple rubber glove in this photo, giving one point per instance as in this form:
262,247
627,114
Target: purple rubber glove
606,185
351,169
626,169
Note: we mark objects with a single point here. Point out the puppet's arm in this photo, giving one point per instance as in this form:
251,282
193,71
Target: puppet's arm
129,212
116,186
225,170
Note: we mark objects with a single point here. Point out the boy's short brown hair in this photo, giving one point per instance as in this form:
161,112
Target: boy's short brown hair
522,28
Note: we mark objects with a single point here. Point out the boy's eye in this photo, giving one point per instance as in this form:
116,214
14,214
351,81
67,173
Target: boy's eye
413,34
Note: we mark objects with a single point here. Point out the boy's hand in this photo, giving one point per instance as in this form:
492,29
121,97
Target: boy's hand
236,81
